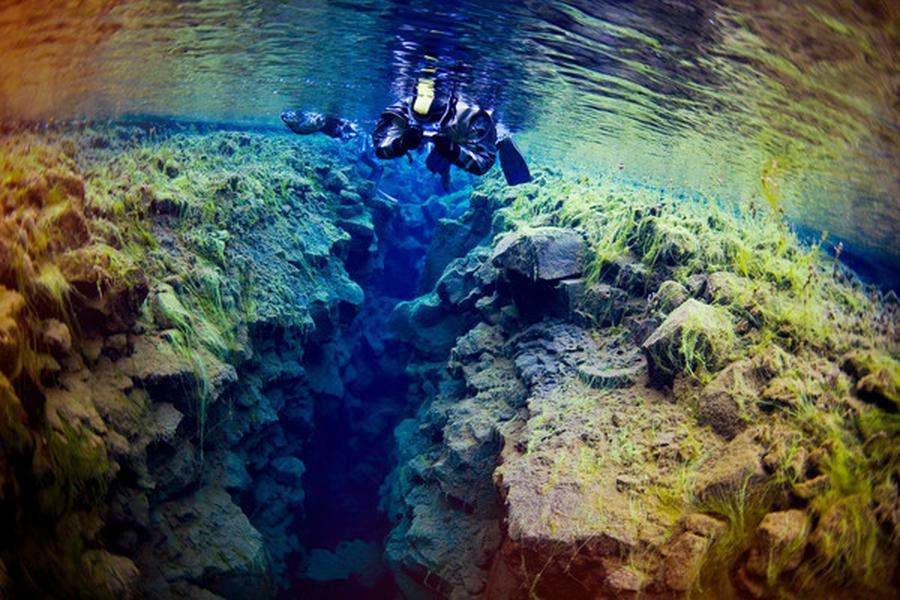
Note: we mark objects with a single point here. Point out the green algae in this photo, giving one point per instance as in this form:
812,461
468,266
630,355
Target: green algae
82,231
773,292
80,470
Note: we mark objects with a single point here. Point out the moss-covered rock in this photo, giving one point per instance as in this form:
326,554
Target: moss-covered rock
695,338
12,334
728,402
779,544
669,296
877,376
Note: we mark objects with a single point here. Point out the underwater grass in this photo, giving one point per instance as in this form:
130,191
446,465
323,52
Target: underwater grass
778,291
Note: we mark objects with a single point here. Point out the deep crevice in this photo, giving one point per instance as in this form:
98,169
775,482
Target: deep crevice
349,454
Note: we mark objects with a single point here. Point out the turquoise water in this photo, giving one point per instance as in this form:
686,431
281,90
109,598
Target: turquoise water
237,362
699,95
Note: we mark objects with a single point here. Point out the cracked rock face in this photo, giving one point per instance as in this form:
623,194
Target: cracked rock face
568,413
600,434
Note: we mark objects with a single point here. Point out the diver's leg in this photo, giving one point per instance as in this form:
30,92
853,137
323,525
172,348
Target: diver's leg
439,164
376,173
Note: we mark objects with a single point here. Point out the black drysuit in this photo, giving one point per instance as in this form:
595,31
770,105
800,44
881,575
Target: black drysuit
465,136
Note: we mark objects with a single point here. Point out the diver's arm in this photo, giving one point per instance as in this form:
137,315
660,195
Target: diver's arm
476,159
393,137
337,128
469,140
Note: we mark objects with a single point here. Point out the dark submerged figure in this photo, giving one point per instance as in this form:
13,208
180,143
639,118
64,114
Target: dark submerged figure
462,134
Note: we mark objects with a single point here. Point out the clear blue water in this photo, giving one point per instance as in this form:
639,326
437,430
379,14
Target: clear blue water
691,99
695,95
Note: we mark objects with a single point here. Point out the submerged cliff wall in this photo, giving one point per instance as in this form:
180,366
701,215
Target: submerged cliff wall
630,395
175,311
208,338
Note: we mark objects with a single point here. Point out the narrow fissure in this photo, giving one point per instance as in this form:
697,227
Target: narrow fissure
350,451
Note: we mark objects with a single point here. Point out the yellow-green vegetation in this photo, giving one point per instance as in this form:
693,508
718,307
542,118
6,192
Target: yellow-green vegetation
191,222
79,470
787,290
833,393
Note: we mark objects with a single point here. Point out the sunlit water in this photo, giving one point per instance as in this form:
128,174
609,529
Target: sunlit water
695,95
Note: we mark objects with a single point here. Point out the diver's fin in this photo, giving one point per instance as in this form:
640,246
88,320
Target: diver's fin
515,169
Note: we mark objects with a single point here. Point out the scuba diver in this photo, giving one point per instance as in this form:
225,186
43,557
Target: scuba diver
462,135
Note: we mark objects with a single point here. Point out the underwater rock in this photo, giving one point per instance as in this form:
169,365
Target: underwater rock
466,280
288,471
230,470
118,573
614,365
173,470
204,539
723,287
878,377
778,544
166,419
836,526
533,263
606,378
15,436
807,490
541,254
737,467
110,290
728,402
669,296
629,274
453,238
67,228
703,525
602,305
6,583
695,336
626,582
8,259
481,338
11,335
683,559
355,560
428,325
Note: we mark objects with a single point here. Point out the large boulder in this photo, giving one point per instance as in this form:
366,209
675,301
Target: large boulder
541,254
695,337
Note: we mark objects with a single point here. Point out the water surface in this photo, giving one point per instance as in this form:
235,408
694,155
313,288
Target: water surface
698,95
